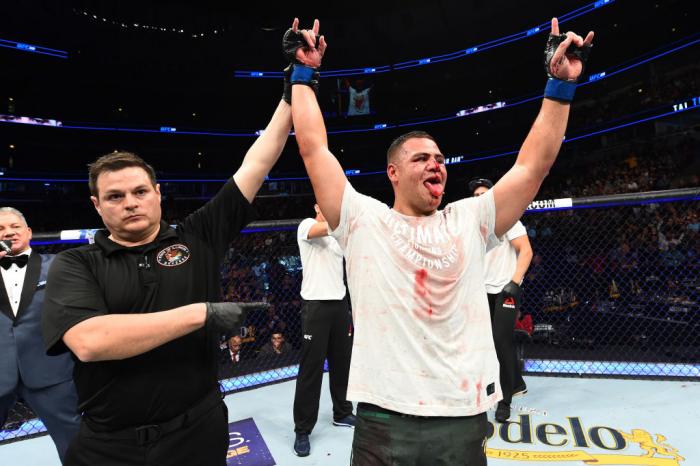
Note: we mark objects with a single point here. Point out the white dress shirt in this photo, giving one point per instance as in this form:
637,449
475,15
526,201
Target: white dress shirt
14,280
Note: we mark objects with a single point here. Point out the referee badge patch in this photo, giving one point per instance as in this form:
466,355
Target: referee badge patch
173,255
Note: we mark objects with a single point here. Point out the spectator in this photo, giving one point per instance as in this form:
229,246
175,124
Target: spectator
276,346
231,353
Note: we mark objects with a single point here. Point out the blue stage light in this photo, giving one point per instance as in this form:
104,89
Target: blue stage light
11,44
673,47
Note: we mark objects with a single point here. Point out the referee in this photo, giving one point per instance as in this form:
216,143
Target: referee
137,309
505,268
327,330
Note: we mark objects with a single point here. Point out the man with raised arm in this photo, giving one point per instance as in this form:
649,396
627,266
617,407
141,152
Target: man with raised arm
424,370
138,311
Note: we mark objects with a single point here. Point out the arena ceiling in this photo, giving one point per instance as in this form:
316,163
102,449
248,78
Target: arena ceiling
128,63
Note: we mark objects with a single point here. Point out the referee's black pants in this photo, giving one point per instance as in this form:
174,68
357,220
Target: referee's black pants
502,325
201,440
326,333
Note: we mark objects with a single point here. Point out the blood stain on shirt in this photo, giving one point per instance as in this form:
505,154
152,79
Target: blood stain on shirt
478,393
421,275
464,385
421,291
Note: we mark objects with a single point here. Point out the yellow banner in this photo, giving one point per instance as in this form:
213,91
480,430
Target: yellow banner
577,455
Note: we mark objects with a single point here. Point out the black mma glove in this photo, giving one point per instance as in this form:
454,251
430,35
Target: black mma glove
297,72
557,88
224,317
291,42
553,43
512,290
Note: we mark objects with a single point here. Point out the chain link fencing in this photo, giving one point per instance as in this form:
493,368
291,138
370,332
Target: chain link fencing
614,287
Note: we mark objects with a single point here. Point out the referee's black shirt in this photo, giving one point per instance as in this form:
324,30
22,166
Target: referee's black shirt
181,266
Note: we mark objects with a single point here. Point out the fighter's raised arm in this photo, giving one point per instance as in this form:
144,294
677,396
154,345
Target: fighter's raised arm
305,50
565,59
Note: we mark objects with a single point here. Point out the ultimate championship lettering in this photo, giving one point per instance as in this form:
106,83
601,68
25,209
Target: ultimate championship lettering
419,242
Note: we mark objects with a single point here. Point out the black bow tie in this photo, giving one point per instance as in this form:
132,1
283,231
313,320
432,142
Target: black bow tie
7,261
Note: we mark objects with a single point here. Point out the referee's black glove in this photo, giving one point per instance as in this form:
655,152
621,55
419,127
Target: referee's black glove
287,90
225,317
512,290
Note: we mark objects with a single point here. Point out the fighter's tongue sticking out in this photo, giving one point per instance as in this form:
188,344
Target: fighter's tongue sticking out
435,189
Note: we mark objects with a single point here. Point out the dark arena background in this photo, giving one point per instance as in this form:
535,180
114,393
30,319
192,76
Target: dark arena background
610,343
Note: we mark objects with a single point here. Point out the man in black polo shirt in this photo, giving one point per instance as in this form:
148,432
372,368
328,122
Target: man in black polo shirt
135,310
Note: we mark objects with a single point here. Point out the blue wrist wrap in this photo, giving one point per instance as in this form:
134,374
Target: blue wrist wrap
301,74
560,90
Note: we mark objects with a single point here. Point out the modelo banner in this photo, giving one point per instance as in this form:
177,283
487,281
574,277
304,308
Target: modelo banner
572,442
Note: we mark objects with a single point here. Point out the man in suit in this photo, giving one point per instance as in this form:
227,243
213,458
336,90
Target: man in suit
44,382
232,352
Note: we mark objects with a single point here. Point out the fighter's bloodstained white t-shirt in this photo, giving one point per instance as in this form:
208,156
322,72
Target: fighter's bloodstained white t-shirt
422,341
322,265
501,260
